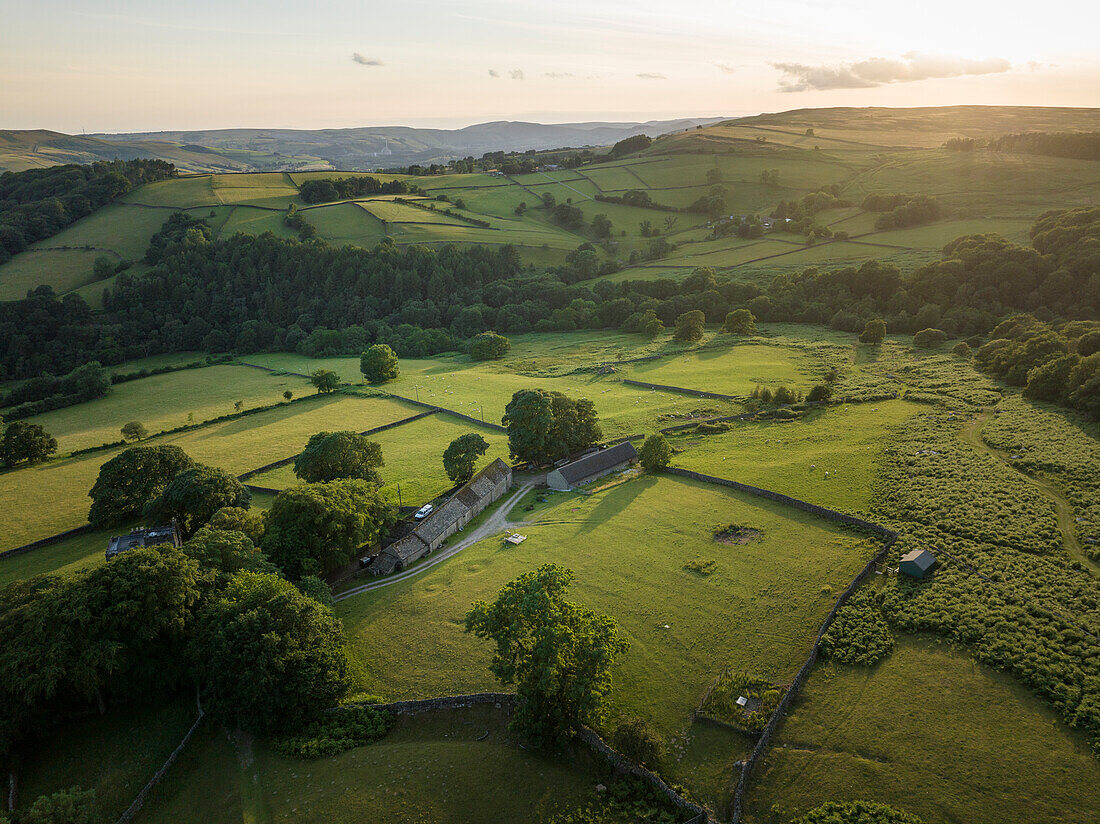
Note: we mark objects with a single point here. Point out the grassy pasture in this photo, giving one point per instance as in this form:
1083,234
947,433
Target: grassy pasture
64,270
730,371
420,772
180,193
931,731
628,546
54,495
391,211
843,440
274,189
164,402
243,220
346,223
414,458
115,754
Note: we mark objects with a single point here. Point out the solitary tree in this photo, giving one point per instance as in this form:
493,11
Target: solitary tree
131,479
874,331
601,226
489,346
325,380
558,654
314,528
690,326
929,338
460,457
267,657
238,406
287,395
332,455
546,426
379,364
656,453
740,322
24,442
194,495
134,431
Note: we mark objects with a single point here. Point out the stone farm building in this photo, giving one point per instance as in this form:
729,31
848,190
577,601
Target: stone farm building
484,488
144,537
591,466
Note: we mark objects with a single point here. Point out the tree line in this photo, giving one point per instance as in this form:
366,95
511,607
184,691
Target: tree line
38,203
345,188
1075,145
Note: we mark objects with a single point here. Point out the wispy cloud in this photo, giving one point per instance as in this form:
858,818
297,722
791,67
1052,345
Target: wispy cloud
726,68
879,71
558,75
651,76
516,74
494,73
366,61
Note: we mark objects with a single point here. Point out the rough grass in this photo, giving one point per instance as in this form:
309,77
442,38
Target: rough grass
758,612
730,371
164,402
931,731
63,270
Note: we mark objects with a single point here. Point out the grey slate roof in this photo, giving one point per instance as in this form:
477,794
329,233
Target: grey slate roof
922,558
143,538
598,462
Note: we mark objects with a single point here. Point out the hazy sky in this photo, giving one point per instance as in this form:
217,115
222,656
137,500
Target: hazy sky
97,65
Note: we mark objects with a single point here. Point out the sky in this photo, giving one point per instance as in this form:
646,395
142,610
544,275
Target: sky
125,66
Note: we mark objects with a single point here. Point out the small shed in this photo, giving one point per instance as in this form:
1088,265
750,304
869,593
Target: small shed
917,563
591,466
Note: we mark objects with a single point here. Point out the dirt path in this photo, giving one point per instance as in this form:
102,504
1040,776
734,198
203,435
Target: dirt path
972,434
495,523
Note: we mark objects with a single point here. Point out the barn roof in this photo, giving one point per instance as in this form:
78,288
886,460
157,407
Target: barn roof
597,462
474,495
922,558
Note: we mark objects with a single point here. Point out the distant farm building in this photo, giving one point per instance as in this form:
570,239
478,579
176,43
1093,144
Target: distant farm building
484,488
591,466
917,563
144,537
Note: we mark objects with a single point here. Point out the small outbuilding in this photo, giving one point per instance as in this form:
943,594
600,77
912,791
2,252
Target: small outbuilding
169,534
917,563
592,466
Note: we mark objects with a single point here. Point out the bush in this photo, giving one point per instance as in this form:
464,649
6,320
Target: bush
874,331
856,812
379,364
339,731
640,743
859,634
740,322
961,350
489,346
929,338
690,326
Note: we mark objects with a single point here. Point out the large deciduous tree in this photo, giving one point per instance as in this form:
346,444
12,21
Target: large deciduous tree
656,453
267,657
874,331
332,455
489,346
558,654
690,326
26,443
460,456
132,479
194,495
379,364
546,426
228,551
315,528
325,380
740,322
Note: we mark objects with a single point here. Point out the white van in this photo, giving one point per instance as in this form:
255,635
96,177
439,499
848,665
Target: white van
423,512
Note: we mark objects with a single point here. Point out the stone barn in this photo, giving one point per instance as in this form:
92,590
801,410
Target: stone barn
591,466
486,487
917,563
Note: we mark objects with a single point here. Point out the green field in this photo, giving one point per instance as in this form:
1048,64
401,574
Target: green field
54,494
930,731
628,546
414,458
163,402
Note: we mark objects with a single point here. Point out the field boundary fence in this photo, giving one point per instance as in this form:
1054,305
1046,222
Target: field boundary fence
698,393
139,801
888,536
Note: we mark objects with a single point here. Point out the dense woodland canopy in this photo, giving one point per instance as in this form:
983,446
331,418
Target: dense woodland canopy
38,203
1076,145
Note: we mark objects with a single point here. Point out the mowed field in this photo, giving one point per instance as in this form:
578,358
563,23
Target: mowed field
54,494
413,454
931,731
628,546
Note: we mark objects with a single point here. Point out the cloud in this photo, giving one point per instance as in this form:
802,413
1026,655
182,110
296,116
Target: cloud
494,73
727,68
558,75
651,76
366,61
879,71
516,74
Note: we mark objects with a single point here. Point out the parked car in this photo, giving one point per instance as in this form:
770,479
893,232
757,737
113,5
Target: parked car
423,512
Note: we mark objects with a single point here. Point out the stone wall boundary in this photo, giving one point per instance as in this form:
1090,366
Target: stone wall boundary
698,393
136,805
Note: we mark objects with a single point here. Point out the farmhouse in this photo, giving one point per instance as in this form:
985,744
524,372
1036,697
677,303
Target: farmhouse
144,537
591,466
916,563
484,488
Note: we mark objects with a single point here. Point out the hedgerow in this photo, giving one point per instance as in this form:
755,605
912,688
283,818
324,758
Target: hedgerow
338,731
